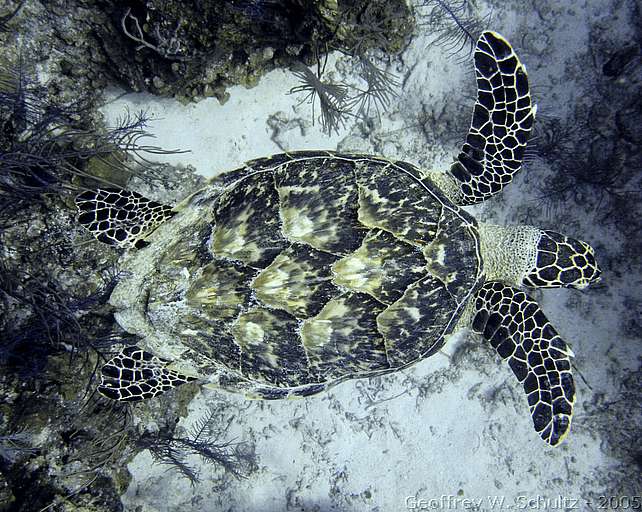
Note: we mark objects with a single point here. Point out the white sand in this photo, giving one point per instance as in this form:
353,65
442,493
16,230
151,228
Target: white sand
222,137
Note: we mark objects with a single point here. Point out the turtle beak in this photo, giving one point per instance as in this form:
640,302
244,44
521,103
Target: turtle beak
591,281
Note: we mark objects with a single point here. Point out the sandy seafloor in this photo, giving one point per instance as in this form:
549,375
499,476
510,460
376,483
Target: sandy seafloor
454,427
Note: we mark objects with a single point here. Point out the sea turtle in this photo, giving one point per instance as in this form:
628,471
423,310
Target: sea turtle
304,269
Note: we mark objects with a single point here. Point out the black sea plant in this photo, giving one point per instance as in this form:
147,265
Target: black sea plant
46,146
48,150
204,439
454,24
337,102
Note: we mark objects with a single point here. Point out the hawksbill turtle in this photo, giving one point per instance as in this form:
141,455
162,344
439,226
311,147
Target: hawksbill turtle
304,269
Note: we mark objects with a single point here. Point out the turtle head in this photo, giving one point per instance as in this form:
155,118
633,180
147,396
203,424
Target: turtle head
562,261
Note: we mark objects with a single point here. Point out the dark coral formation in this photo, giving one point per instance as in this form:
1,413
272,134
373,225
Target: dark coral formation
193,50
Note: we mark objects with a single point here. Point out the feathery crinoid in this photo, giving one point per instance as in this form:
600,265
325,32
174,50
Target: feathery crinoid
340,101
332,98
380,88
16,444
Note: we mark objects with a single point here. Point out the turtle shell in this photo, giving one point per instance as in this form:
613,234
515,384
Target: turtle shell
304,269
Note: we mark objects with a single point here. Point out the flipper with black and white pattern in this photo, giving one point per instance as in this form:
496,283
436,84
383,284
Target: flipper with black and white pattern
501,123
135,375
120,217
516,327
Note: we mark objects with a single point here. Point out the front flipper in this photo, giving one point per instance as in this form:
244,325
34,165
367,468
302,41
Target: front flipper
516,327
501,124
135,375
120,217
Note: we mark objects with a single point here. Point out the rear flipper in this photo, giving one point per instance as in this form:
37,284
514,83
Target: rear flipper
515,326
135,375
120,217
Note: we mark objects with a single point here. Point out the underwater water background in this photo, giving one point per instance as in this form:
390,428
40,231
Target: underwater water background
450,433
